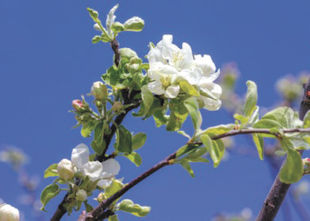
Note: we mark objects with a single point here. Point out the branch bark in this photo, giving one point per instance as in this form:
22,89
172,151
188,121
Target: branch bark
279,190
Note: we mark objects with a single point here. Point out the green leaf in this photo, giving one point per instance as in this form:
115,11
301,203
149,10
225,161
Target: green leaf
282,115
184,149
251,99
115,186
135,209
178,114
220,129
192,107
98,144
113,218
87,206
259,143
48,193
306,123
96,39
292,170
268,124
87,128
216,148
188,88
196,153
243,119
185,164
138,140
51,171
135,158
147,98
123,140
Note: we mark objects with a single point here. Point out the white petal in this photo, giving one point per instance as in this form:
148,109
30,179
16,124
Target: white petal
80,155
93,169
211,104
191,76
156,88
104,183
187,56
210,88
111,166
111,18
167,49
205,63
172,91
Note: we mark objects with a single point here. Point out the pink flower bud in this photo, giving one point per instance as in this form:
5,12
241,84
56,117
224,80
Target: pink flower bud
77,104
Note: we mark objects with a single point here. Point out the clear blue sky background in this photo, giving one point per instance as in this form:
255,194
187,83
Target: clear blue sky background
47,60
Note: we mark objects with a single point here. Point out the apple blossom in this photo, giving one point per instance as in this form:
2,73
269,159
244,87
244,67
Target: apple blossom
99,90
170,64
8,213
81,195
77,104
65,169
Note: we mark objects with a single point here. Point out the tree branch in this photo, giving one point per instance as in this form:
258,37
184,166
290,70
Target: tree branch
278,190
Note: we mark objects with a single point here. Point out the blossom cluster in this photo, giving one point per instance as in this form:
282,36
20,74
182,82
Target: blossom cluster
102,173
169,65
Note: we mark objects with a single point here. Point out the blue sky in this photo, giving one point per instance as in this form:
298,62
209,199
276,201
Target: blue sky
47,60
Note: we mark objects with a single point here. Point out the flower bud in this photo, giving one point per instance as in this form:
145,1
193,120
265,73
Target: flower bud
127,53
81,195
99,90
77,104
101,197
117,106
97,27
65,169
8,213
134,24
117,27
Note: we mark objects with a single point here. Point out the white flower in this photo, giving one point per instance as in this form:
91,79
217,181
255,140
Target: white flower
102,172
169,65
8,213
110,20
99,90
65,169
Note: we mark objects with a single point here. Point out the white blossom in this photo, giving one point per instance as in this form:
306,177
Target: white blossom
169,65
96,171
65,169
8,213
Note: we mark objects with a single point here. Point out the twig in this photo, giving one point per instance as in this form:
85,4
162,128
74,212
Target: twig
278,190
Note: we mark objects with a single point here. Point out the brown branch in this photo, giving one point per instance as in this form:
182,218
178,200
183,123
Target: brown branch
278,190
99,213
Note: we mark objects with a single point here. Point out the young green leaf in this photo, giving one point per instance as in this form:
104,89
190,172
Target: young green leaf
251,99
123,140
51,171
216,148
188,88
138,140
185,164
113,218
135,158
98,144
259,143
192,107
115,186
306,123
135,209
178,114
220,129
292,170
147,98
48,193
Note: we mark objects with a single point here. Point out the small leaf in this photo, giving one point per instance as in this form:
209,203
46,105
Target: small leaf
88,206
251,98
113,218
192,107
96,39
135,158
115,186
185,164
184,149
292,170
307,120
48,193
147,98
98,144
243,119
135,209
220,129
123,140
138,140
259,143
87,128
215,148
188,88
178,114
51,171
93,13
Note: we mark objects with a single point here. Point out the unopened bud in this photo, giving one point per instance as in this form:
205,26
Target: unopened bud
99,90
134,24
77,104
127,53
8,213
117,106
117,27
97,27
65,169
101,197
81,195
